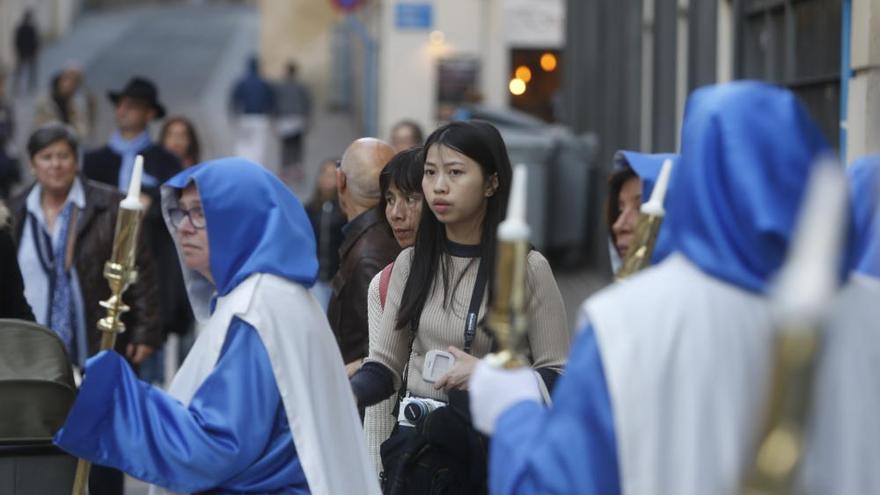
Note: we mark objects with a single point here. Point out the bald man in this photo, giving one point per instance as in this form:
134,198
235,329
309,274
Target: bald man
368,245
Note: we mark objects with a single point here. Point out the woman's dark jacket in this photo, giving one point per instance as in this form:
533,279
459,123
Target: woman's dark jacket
93,245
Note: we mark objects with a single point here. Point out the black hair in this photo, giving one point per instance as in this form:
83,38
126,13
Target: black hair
404,171
49,134
413,127
481,142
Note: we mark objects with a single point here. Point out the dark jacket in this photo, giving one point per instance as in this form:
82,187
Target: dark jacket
92,247
12,301
327,224
27,41
367,247
103,165
252,94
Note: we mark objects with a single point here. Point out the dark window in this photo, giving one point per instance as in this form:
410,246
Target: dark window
795,43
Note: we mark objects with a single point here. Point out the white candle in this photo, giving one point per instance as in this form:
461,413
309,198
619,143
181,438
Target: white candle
514,227
654,206
133,200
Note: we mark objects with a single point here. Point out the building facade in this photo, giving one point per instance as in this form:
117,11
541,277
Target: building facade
389,60
633,63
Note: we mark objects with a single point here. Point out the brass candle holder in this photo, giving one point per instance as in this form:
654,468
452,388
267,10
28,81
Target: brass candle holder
801,300
120,272
507,312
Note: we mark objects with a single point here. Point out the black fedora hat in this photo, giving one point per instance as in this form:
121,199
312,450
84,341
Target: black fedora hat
140,88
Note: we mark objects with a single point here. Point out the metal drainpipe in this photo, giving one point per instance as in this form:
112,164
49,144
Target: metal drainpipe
845,75
371,74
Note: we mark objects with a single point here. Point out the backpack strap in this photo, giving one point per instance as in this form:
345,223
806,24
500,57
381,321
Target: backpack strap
384,280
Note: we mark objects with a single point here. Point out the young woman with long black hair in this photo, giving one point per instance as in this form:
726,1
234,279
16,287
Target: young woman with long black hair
444,280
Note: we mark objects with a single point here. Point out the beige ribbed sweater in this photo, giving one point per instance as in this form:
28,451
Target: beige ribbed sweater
378,421
549,337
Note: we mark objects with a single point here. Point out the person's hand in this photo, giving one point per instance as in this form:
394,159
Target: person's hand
493,390
352,367
146,200
457,378
137,353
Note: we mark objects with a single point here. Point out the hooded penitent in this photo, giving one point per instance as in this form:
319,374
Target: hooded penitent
262,402
682,361
647,168
662,392
255,225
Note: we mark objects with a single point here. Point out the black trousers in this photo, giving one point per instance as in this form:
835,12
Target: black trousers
106,481
29,64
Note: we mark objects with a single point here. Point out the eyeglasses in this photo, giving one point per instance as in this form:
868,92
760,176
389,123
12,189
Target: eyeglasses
196,217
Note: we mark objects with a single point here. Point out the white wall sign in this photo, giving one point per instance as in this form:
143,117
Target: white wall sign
534,23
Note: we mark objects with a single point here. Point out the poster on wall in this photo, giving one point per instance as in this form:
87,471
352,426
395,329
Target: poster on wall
458,85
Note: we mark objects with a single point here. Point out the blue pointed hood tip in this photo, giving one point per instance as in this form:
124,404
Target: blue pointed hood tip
864,182
255,223
748,149
646,165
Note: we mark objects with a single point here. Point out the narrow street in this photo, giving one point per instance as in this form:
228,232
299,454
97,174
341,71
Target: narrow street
195,53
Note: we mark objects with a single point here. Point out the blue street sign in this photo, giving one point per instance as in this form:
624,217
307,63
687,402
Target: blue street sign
413,16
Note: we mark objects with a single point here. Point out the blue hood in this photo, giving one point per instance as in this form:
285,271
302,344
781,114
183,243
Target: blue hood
646,166
255,225
747,152
864,182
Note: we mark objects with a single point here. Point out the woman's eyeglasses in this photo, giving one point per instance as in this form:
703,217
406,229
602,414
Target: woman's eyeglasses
196,217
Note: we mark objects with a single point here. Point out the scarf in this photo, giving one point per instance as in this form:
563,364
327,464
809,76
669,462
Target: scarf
129,150
61,297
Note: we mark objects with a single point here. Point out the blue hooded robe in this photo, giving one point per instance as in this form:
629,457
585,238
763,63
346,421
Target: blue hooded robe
727,216
234,436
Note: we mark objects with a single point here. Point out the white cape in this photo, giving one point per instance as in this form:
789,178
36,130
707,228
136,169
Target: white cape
843,442
685,358
310,374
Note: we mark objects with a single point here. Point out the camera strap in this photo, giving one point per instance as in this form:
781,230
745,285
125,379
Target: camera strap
470,330
401,393
470,321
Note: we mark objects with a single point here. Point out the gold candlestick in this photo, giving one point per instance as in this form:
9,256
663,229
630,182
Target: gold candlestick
801,300
507,313
647,230
120,272
648,227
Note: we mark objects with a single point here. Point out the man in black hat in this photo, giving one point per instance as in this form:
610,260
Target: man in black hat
136,106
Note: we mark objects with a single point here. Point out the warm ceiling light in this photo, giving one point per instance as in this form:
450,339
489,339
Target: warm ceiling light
517,86
524,73
548,62
437,37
